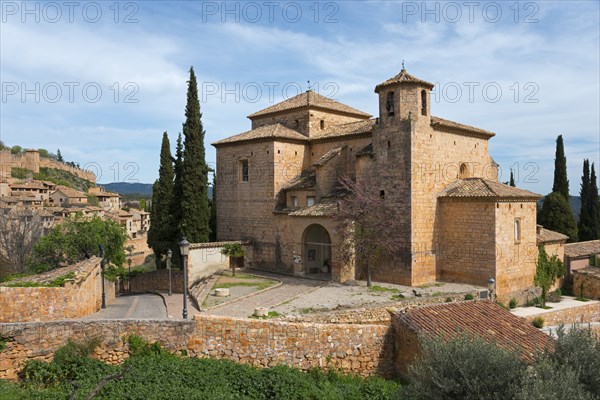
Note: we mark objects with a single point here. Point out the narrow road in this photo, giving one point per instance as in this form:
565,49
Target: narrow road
290,288
137,306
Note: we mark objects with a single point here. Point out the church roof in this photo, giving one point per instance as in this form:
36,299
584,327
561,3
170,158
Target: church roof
329,155
484,188
546,236
306,180
451,126
403,77
275,131
309,98
351,128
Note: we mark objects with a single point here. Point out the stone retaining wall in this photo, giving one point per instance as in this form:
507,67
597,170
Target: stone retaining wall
590,279
582,314
359,349
157,281
74,300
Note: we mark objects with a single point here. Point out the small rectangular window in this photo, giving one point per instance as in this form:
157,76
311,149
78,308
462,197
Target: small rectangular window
517,229
244,170
310,201
294,202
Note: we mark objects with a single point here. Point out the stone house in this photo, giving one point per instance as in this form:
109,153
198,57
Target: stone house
107,200
278,188
577,255
67,197
484,319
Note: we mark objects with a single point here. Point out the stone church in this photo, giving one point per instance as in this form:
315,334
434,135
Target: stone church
276,187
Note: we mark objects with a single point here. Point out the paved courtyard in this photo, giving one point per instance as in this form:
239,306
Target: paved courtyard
136,306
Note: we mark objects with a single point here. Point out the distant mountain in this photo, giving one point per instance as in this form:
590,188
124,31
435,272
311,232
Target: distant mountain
128,188
574,202
144,189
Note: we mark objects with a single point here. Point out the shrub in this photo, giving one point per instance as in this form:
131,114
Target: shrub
555,297
138,346
465,368
469,296
538,322
513,304
579,349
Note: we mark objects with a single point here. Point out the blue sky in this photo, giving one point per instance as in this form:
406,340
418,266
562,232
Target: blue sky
102,82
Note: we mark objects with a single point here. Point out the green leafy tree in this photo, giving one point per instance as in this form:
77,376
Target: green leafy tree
43,153
561,182
16,150
512,179
161,229
234,251
547,271
556,215
194,200
79,238
464,368
59,156
143,205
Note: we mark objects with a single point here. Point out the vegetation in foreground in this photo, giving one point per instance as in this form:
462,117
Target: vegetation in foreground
150,373
463,368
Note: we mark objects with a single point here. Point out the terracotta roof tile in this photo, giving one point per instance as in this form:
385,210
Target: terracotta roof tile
71,193
329,155
276,131
582,249
482,318
546,236
447,125
309,98
403,77
306,180
483,188
29,185
349,129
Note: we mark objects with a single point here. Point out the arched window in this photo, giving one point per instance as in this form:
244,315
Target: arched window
463,171
389,104
423,102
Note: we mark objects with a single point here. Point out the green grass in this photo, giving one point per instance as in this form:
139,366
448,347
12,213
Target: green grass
383,289
259,285
56,176
398,296
272,314
58,282
426,286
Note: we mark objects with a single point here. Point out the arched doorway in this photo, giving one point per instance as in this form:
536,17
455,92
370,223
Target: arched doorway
317,250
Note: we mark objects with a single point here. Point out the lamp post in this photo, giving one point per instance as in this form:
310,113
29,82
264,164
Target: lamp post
491,287
169,256
184,249
102,265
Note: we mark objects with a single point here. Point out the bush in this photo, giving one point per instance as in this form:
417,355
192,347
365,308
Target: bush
465,367
513,304
469,296
538,322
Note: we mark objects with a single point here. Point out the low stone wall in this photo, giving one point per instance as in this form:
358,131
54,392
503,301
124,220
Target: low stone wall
358,349
583,314
378,314
74,300
590,279
157,281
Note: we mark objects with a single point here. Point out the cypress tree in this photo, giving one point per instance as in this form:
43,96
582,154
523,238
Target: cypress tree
213,210
512,179
585,224
177,189
59,156
194,200
556,215
561,182
161,229
594,205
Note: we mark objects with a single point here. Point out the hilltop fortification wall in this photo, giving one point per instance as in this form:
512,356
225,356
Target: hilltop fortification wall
31,160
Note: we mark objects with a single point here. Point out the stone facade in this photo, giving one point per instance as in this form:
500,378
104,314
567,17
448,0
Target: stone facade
586,282
156,281
76,299
278,181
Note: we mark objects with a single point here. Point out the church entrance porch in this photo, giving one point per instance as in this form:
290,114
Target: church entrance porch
316,244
